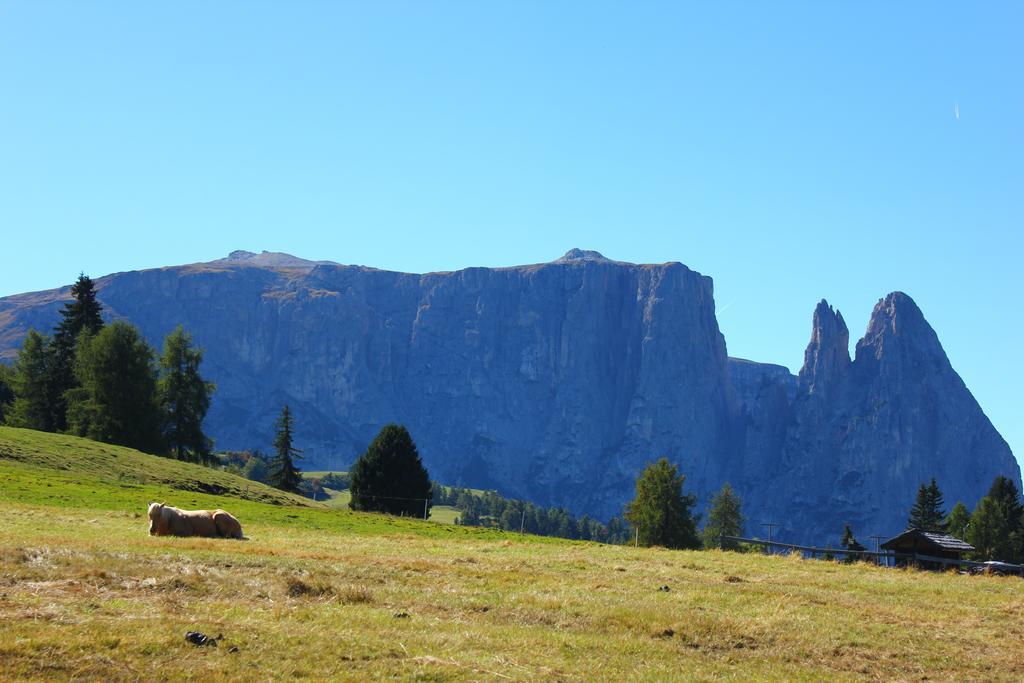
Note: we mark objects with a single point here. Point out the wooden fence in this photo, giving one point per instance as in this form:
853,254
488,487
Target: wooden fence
882,558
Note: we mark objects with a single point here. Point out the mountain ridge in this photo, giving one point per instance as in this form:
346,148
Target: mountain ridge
556,382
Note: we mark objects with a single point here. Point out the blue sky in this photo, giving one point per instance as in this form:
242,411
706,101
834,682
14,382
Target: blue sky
792,151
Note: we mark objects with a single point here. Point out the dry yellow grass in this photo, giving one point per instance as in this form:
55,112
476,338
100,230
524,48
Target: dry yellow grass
85,593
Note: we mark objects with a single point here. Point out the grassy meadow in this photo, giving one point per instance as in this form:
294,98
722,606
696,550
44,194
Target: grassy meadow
321,592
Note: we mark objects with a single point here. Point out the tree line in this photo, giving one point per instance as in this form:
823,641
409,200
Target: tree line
995,527
663,514
104,382
489,509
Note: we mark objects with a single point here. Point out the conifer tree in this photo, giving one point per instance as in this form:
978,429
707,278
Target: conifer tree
1005,493
116,401
989,531
282,471
30,381
82,314
660,512
184,398
928,513
724,519
997,524
6,390
958,520
390,477
849,542
78,316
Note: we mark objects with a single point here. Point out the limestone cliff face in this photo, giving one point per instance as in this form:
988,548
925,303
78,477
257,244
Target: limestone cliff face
554,382
827,356
557,382
894,417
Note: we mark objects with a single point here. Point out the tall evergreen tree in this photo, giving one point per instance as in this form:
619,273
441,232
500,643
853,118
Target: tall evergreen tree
282,471
6,390
997,524
849,542
82,314
661,513
33,401
390,477
724,519
116,401
990,531
958,520
184,398
928,513
1004,492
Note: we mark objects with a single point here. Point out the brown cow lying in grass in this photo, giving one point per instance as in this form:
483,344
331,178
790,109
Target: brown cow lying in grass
165,520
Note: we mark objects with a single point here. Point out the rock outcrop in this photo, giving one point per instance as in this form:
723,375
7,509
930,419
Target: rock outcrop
894,417
828,355
557,382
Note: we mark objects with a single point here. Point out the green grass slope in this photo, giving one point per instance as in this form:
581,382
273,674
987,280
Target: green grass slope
329,594
90,460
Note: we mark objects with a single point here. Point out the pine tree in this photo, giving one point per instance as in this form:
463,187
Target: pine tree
849,542
6,390
30,381
82,314
283,474
116,401
957,521
78,316
928,513
661,513
1005,493
390,477
997,524
724,519
990,531
184,398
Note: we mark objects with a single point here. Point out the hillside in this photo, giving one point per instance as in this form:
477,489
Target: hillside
86,593
558,382
85,460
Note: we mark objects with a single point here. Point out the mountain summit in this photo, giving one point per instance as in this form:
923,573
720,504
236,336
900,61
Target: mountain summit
558,382
581,255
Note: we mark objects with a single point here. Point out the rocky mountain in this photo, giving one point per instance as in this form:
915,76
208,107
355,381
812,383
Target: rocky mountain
557,382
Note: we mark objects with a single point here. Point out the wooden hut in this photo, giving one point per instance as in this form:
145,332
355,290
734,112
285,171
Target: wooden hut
926,548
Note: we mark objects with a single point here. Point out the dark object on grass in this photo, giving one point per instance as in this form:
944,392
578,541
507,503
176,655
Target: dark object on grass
200,639
401,615
664,589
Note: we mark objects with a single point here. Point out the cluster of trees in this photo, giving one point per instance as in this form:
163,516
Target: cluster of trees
995,528
663,515
489,509
106,383
390,477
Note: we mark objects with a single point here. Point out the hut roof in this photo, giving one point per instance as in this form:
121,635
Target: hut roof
941,541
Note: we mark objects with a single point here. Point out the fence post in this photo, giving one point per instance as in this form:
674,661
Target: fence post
425,501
